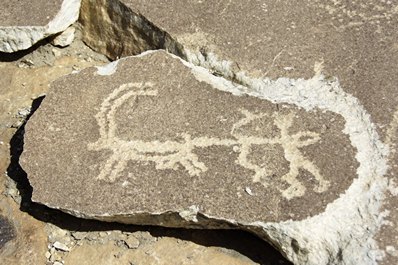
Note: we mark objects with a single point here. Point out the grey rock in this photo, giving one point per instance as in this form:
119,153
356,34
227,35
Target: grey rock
60,246
245,41
24,22
132,242
212,142
65,38
270,51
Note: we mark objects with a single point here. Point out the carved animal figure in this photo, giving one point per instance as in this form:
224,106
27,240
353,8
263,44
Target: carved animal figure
175,154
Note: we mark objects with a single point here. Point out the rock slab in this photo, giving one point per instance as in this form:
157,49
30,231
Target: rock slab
155,140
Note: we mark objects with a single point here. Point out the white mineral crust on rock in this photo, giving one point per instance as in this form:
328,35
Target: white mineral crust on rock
65,38
15,38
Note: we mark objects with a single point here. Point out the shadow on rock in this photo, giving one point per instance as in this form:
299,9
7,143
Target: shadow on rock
7,231
243,242
15,56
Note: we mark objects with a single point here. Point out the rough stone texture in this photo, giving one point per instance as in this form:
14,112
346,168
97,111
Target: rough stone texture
357,42
23,23
111,28
159,253
65,38
203,157
7,231
30,242
182,144
239,40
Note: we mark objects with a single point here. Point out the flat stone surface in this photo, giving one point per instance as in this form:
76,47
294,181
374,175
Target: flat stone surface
24,23
151,138
28,12
155,140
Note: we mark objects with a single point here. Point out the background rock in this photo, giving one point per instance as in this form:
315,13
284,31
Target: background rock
355,42
24,23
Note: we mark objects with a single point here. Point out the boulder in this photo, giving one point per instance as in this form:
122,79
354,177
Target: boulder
23,23
155,140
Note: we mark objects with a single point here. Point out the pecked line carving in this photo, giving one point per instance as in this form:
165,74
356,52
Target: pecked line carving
181,154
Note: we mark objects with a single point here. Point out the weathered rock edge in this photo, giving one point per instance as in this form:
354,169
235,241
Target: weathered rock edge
344,232
15,38
114,30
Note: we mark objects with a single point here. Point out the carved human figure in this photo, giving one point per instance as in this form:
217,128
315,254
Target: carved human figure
174,154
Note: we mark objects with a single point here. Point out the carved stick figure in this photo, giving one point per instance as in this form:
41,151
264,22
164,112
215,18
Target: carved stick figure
173,154
291,145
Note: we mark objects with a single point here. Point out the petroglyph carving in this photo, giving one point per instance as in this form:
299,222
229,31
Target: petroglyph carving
175,154
290,144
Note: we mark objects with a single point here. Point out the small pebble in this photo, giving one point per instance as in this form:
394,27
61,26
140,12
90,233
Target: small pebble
249,191
79,235
61,246
392,251
56,52
28,62
24,112
132,242
53,258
